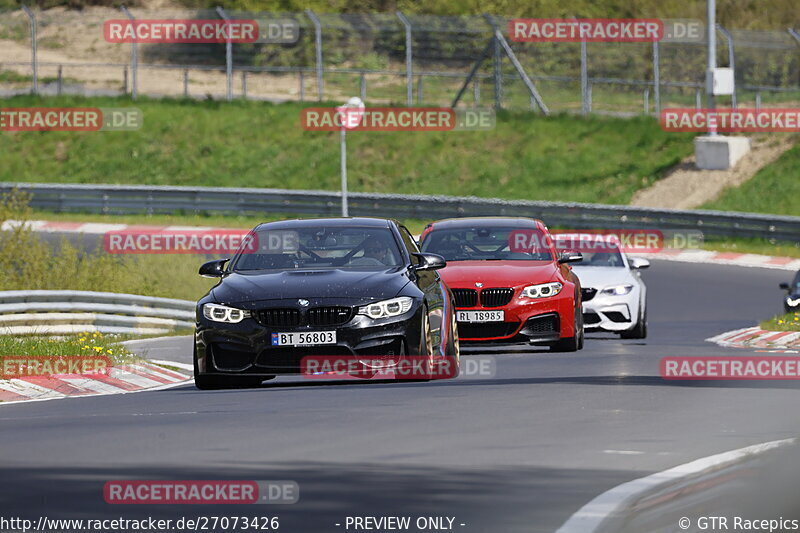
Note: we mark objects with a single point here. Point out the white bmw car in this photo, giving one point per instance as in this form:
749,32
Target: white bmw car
614,295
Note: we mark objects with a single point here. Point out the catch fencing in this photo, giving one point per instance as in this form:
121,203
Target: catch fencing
389,58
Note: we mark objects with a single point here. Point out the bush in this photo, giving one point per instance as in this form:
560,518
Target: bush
32,263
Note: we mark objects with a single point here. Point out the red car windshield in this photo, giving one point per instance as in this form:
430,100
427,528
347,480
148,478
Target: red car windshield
489,244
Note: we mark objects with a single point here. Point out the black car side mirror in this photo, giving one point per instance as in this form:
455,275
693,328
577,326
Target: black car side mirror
570,257
213,269
429,262
784,286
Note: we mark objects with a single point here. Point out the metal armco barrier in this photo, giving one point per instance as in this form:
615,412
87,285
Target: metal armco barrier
127,199
65,312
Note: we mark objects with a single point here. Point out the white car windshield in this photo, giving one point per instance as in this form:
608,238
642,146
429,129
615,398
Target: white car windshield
602,259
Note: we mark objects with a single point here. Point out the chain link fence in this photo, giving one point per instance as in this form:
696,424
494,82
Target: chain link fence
388,58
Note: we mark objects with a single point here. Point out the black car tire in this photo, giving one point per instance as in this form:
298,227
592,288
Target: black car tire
639,331
425,348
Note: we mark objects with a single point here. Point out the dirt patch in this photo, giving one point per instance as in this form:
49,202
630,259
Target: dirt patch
686,187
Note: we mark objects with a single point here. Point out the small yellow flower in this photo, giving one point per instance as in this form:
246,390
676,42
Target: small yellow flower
110,351
87,347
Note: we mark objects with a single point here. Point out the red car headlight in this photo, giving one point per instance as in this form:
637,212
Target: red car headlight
542,290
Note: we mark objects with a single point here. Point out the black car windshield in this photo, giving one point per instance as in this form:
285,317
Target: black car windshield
489,244
320,247
608,258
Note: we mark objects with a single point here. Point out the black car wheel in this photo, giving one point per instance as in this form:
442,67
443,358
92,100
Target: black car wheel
639,331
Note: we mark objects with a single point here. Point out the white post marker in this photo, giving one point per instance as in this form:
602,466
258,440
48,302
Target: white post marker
350,115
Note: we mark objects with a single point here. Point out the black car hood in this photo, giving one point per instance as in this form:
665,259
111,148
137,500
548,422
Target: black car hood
344,285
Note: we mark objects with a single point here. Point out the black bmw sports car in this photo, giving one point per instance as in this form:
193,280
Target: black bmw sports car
356,288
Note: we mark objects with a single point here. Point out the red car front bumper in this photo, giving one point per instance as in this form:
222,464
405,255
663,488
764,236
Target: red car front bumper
536,321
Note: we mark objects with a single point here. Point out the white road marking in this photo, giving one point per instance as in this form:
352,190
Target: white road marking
590,517
624,452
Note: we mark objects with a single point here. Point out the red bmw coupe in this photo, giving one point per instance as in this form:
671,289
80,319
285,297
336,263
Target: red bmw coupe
510,284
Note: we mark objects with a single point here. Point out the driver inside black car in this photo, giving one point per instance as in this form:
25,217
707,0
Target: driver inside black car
377,249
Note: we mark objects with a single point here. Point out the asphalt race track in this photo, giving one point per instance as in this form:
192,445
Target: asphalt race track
521,451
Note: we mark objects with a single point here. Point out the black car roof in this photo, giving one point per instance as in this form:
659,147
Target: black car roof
486,222
330,222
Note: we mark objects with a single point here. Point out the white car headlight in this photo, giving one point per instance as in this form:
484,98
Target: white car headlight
223,313
387,308
618,290
543,290
792,303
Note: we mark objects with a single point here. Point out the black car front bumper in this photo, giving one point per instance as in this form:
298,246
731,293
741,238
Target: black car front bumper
246,348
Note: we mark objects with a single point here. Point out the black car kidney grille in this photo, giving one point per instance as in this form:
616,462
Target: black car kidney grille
330,316
587,293
465,297
496,297
282,318
316,316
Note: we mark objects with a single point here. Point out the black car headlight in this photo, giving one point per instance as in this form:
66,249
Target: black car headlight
542,290
223,313
387,308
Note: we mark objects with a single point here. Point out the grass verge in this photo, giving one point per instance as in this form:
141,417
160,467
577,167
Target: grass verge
188,142
774,189
79,345
788,322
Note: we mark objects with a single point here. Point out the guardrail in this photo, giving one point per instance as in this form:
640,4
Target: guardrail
65,312
127,199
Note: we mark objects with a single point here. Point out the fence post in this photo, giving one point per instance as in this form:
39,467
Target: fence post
498,71
646,100
589,97
731,59
134,57
228,57
584,80
362,86
60,80
244,84
409,60
656,78
698,99
186,83
476,92
318,45
420,92
302,85
125,80
34,62
758,100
